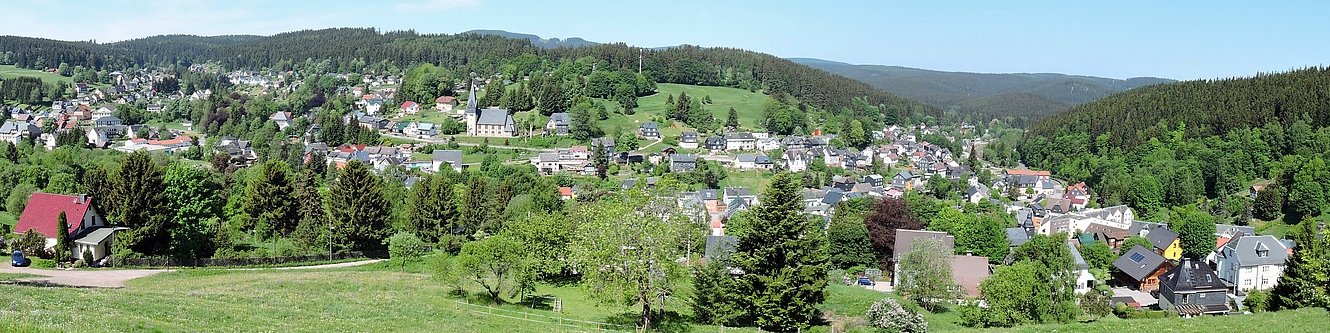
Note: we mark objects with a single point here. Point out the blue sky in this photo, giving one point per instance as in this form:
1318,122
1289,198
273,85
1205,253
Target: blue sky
1120,39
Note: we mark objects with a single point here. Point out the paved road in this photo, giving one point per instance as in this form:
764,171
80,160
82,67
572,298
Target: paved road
101,278
337,265
460,143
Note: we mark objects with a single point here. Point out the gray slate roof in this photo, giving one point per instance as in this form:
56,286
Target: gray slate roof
1161,237
1017,236
905,240
1245,250
494,116
453,157
1191,275
1138,262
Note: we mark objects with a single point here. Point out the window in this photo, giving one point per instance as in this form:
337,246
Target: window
1246,282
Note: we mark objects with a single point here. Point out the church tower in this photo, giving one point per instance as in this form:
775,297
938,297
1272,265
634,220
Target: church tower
472,111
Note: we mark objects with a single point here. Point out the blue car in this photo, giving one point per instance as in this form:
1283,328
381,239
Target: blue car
865,281
18,260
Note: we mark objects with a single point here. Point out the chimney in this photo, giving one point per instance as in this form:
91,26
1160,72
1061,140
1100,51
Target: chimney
81,199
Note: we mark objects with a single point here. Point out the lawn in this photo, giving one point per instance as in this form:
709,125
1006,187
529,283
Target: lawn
7,221
746,103
10,71
15,276
383,298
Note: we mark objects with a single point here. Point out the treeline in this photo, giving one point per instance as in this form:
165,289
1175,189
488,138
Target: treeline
1204,107
31,90
352,50
1199,143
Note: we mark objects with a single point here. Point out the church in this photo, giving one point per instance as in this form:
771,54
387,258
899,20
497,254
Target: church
488,122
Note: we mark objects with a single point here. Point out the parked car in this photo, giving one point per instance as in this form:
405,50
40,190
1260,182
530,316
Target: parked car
865,281
18,260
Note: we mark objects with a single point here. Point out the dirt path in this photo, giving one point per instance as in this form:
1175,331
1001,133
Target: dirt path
337,265
115,278
107,278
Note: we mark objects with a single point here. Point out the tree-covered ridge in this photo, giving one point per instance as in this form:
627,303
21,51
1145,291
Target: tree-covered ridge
1204,107
355,49
1022,96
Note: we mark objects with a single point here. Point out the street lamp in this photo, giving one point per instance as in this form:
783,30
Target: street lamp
330,240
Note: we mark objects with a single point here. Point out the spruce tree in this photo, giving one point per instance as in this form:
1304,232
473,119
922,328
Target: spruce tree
435,212
270,202
357,208
62,242
310,209
783,256
136,202
1304,280
732,119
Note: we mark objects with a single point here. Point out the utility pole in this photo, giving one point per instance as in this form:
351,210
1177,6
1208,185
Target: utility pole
639,61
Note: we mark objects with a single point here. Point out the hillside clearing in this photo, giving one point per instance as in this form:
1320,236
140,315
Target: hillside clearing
10,71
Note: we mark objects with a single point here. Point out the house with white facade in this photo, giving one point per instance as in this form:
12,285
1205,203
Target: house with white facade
1251,262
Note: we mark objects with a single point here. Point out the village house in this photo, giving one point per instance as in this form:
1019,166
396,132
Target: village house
768,144
967,271
1165,242
410,107
1192,289
1251,262
283,119
87,226
177,144
796,160
558,124
714,143
740,141
15,132
445,103
1140,268
649,130
688,140
683,162
1084,280
448,158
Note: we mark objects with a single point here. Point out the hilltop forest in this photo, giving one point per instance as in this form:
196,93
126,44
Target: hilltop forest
354,49
1200,143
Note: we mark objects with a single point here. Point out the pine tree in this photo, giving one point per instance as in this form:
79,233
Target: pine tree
600,159
732,119
357,208
434,213
270,202
63,244
784,257
136,202
474,208
310,208
1304,281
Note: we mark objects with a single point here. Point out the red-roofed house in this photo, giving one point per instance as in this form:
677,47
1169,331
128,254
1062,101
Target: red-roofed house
410,107
445,103
86,225
565,192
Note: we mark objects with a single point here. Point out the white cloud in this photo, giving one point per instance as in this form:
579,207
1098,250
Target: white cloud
436,5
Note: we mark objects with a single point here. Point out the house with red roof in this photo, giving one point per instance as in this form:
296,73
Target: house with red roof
445,103
410,107
87,226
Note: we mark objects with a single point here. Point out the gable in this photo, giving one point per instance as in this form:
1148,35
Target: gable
43,211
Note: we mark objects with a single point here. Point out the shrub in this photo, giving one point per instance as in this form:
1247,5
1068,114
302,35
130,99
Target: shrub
405,248
87,257
887,315
1095,304
42,263
1257,301
32,244
80,264
971,315
451,244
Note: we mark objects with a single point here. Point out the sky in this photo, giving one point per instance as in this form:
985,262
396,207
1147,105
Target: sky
1118,39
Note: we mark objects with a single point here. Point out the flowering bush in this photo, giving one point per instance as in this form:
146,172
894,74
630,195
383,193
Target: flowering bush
887,315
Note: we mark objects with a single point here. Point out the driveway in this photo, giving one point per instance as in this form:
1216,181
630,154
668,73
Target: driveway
100,278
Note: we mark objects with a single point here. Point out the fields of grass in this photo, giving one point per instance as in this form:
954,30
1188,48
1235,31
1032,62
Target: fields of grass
383,298
746,103
9,71
7,221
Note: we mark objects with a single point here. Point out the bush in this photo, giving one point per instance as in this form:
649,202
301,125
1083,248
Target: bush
42,263
887,315
87,257
971,315
1257,301
80,264
451,244
405,248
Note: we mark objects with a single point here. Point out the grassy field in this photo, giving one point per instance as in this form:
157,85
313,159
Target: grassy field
7,221
382,298
14,276
746,103
9,71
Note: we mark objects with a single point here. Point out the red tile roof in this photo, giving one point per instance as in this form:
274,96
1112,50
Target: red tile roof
408,104
43,212
1024,172
565,191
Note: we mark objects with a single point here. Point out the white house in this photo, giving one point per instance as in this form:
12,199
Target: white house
446,158
1251,262
87,227
283,119
740,141
16,131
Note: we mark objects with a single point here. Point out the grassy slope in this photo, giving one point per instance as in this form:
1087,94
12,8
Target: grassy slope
387,300
746,103
9,71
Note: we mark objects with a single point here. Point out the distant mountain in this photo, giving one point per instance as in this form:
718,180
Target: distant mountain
1020,95
549,43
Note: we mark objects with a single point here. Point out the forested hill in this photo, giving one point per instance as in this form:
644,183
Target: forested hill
538,41
1020,95
1203,107
351,49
